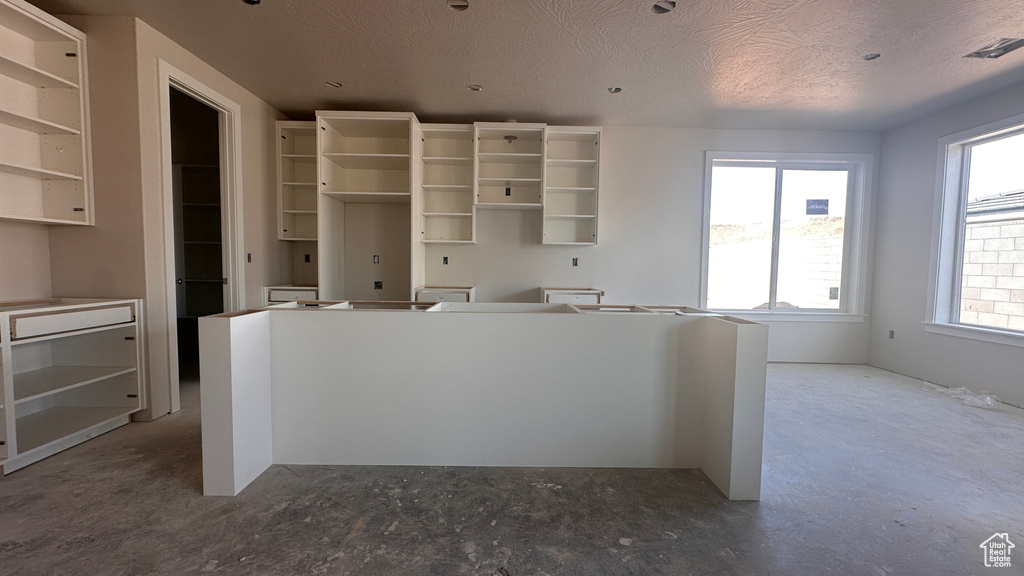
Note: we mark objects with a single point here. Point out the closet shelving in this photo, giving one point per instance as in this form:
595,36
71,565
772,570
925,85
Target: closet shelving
509,168
448,213
572,171
45,168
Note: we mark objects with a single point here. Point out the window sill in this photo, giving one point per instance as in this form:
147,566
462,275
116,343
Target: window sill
993,335
793,316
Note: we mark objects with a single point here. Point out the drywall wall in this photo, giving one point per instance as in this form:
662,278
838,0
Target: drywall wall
25,261
907,195
651,206
258,187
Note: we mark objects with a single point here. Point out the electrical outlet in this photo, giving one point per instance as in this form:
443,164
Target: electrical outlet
376,258
892,334
575,261
508,190
378,284
248,257
307,259
444,260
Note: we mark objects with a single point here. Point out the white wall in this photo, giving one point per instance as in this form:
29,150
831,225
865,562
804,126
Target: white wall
24,261
652,186
905,204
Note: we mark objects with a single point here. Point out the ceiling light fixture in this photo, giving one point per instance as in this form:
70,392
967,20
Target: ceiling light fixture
872,56
997,48
333,84
458,5
474,87
663,6
614,90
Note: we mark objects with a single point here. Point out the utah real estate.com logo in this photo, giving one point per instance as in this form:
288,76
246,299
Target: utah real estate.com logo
997,550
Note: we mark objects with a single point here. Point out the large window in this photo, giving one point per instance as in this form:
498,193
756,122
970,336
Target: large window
780,233
980,279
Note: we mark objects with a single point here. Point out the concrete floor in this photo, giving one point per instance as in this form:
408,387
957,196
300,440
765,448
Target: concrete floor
865,472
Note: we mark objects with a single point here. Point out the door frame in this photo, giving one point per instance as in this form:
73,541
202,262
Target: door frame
229,115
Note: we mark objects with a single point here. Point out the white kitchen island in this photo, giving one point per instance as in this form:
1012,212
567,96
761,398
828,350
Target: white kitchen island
482,384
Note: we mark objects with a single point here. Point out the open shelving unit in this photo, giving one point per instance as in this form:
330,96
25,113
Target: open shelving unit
509,167
45,168
296,175
365,177
70,372
572,172
448,211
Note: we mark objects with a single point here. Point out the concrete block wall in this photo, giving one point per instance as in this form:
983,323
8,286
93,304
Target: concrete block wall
992,293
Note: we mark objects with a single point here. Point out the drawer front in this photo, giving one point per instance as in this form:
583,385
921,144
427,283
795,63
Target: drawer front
573,298
54,323
291,295
432,296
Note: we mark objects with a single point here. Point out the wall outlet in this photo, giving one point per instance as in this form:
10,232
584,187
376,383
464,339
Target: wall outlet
892,334
376,258
307,259
248,257
378,284
444,260
575,261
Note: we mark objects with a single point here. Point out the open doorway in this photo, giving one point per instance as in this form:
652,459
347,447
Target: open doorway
200,282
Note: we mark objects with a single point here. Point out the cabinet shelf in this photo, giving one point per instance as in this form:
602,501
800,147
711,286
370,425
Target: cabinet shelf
373,197
508,158
41,428
300,157
298,239
568,163
448,187
570,216
509,206
567,189
498,181
448,160
450,214
369,161
37,125
31,75
41,173
54,379
299,211
300,184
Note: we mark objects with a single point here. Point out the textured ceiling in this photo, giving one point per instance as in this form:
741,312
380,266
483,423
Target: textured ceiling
708,63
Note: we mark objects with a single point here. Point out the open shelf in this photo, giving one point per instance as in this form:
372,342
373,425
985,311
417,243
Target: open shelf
569,163
509,206
300,157
300,184
369,161
448,187
569,189
505,181
37,125
299,211
53,379
459,214
41,428
569,216
31,75
508,158
41,173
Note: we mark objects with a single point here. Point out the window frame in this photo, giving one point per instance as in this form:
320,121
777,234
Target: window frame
942,313
852,292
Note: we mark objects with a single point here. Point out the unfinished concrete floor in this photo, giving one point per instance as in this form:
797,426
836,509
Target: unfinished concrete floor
864,473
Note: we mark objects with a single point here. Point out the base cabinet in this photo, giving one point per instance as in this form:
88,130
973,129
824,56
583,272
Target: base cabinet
446,294
281,294
571,295
70,372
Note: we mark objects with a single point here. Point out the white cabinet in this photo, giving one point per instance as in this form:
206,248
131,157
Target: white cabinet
572,170
509,165
70,372
296,181
448,210
282,294
571,295
366,173
446,294
45,161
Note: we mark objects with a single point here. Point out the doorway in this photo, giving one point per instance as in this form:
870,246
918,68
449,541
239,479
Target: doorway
199,280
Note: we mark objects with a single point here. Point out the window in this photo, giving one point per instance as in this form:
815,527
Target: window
782,233
980,258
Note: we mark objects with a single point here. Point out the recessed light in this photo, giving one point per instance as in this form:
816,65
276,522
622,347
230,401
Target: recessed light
333,84
474,87
663,6
615,90
997,48
872,56
458,5
251,2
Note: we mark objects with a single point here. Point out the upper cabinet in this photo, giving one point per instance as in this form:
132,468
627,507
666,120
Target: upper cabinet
509,165
449,211
572,171
296,181
45,162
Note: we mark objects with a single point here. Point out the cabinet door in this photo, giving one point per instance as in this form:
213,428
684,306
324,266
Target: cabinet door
573,298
